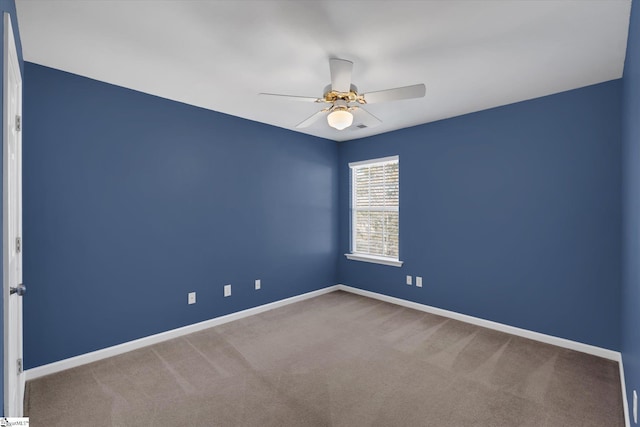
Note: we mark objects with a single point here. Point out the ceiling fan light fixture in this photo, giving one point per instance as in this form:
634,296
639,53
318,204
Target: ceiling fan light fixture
340,119
343,99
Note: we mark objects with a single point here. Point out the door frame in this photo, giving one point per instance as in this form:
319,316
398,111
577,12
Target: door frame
10,60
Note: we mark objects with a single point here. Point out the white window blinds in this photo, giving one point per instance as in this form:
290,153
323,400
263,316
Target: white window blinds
374,207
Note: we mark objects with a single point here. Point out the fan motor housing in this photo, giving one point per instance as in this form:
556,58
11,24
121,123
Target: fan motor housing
332,96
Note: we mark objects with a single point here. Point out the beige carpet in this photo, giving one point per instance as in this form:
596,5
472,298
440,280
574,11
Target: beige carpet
336,360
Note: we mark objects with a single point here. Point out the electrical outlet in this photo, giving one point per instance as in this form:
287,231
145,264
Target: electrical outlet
227,290
635,407
192,298
419,281
409,280
258,284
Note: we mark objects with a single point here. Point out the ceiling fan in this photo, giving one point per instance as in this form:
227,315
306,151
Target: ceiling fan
345,102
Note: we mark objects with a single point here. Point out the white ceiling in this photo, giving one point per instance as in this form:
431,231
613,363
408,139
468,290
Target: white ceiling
471,54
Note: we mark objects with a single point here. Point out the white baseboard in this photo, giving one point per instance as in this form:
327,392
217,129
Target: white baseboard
537,336
94,356
625,402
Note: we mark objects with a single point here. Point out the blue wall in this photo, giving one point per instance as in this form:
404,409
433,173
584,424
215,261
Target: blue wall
132,201
9,7
511,214
631,208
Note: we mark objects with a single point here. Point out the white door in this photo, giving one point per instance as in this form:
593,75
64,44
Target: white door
12,226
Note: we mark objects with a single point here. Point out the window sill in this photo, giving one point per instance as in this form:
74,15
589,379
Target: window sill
374,259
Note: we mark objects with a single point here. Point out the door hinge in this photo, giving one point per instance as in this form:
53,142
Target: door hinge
18,123
19,366
18,244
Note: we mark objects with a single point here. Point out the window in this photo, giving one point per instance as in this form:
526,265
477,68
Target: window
375,195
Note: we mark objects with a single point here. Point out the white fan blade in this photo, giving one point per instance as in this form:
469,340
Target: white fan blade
311,120
340,74
292,97
363,119
407,92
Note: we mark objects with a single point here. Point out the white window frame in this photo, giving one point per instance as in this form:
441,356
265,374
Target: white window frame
395,262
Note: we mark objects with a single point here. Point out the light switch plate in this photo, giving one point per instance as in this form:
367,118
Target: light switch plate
419,281
227,290
258,285
409,280
191,298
